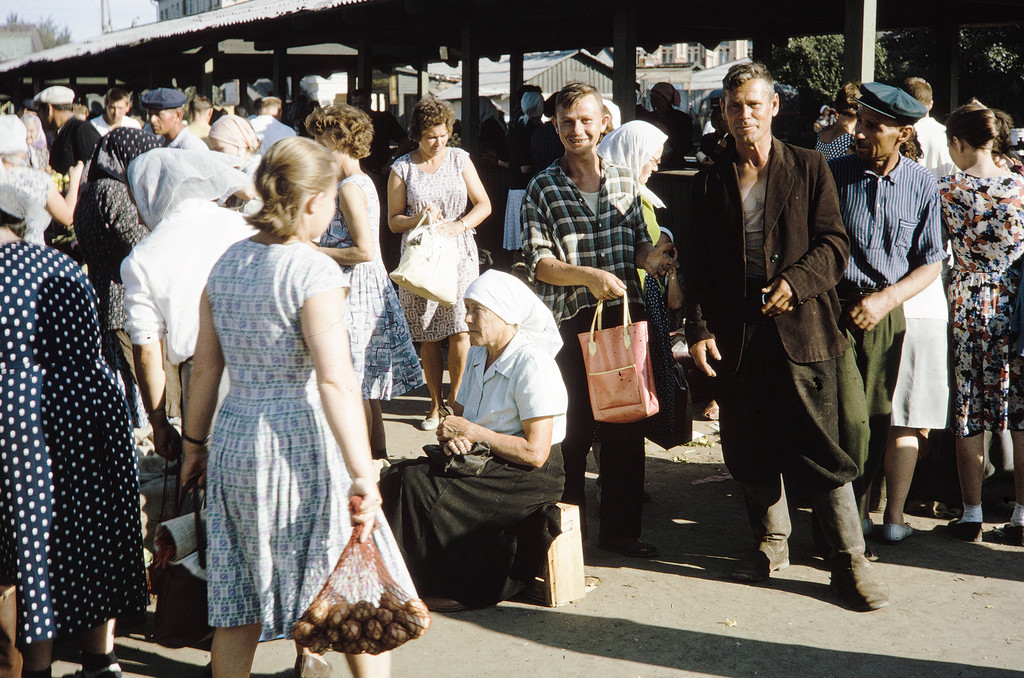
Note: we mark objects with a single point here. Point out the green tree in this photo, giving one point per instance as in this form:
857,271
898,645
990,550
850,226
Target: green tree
50,33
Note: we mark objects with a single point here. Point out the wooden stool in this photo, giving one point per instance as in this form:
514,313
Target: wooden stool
561,580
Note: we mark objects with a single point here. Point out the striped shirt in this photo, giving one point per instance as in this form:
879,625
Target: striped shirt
556,222
894,221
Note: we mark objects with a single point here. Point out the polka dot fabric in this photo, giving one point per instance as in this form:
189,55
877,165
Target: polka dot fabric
70,533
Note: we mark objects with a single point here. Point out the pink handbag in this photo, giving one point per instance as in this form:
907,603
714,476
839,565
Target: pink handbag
619,373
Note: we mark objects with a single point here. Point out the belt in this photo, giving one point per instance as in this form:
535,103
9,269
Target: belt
849,291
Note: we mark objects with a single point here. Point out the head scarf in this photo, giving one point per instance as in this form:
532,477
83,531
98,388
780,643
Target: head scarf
116,150
33,121
632,145
614,112
13,135
237,131
18,199
515,303
163,179
532,104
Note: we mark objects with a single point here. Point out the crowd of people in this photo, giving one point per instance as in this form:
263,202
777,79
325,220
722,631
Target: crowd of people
229,290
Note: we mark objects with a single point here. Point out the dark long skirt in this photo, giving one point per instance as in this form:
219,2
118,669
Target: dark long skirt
459,534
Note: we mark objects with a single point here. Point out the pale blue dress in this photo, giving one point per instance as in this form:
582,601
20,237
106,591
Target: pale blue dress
382,350
277,487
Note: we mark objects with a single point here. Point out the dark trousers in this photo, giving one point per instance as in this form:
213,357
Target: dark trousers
622,445
867,380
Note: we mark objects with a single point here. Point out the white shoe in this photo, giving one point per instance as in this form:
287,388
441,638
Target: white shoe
430,423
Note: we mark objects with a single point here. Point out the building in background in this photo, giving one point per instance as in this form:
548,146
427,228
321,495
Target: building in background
175,9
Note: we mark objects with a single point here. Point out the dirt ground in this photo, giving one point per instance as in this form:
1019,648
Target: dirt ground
956,609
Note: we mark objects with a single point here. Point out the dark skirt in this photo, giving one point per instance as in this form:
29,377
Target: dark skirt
458,535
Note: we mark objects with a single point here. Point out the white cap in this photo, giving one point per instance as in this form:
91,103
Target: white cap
56,95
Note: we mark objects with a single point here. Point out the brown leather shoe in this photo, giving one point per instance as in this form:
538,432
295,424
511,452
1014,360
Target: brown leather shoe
967,531
311,666
851,578
768,557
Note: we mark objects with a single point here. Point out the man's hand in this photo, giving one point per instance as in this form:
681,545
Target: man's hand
870,310
659,261
778,298
166,439
701,351
604,285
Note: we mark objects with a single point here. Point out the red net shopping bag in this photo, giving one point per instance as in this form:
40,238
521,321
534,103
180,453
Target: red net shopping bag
360,609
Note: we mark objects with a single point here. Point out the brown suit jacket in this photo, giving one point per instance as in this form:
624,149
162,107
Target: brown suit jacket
805,243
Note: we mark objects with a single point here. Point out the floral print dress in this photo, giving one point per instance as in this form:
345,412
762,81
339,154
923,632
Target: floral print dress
985,219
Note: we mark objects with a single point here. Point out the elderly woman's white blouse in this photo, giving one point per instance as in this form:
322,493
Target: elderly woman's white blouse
165,274
523,383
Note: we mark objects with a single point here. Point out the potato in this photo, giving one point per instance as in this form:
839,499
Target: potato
363,611
389,602
351,630
302,631
385,616
374,629
333,634
339,611
318,611
397,633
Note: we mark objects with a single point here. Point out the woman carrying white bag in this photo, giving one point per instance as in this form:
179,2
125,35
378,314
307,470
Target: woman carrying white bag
433,185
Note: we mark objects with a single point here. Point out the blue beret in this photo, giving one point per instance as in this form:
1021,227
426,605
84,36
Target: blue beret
163,98
892,102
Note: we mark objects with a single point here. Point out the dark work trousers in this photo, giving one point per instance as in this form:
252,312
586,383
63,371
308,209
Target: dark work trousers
622,445
869,370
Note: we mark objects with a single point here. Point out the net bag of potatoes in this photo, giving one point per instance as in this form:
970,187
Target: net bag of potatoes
360,610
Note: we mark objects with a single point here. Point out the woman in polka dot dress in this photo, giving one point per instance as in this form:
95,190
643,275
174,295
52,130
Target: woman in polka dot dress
70,533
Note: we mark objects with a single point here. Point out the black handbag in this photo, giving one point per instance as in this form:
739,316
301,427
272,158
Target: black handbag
181,617
459,465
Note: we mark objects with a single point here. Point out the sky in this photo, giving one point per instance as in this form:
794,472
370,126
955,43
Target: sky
82,17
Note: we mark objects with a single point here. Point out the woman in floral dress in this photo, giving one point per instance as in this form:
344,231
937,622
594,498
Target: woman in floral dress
382,350
434,181
983,209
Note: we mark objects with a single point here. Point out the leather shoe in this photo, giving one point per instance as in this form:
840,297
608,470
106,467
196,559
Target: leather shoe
851,578
966,531
1012,534
311,666
628,546
768,557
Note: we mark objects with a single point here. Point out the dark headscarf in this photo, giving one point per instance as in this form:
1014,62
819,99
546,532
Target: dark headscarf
117,149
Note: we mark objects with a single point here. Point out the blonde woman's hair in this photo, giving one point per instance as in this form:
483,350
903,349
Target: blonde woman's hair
289,173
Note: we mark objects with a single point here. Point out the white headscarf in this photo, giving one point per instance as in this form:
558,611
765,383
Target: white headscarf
515,303
13,135
532,104
17,200
614,112
161,180
632,145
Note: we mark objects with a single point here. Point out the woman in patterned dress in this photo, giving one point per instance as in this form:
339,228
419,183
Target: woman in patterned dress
70,532
434,182
281,495
382,350
983,208
835,140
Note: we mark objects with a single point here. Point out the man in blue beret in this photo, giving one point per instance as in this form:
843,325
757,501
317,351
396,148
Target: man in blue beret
890,205
165,109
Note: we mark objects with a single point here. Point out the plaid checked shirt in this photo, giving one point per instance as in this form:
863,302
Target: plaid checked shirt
557,222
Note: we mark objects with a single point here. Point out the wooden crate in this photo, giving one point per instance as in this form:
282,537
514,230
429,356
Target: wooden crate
562,579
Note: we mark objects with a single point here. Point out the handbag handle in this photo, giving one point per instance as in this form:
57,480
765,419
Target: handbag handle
596,322
192,485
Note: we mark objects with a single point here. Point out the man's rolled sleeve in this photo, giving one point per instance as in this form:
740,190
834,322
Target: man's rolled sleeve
927,246
144,322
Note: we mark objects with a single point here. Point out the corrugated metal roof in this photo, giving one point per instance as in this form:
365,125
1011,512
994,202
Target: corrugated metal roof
494,74
242,13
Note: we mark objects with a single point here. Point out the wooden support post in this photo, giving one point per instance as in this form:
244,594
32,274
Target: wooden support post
470,91
946,88
353,84
207,85
859,40
624,68
515,83
278,77
364,66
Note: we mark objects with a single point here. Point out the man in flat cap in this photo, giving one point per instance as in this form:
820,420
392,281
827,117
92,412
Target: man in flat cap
890,205
765,248
165,109
73,139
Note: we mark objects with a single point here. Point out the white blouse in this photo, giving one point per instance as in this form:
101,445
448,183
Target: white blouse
523,383
165,274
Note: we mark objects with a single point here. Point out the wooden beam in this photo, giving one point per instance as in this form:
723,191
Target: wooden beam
515,83
859,40
470,91
278,78
946,88
624,69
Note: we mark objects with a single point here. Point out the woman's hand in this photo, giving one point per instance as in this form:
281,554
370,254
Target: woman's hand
453,427
429,213
450,229
363,504
194,465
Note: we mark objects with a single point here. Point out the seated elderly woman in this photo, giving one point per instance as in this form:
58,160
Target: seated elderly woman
455,513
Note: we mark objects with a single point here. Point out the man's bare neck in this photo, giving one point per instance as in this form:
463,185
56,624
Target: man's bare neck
882,166
754,155
584,171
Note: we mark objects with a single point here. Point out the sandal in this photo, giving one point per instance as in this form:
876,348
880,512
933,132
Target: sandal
711,411
632,547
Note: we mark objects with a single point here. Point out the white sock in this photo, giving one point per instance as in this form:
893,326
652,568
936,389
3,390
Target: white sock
1018,514
972,514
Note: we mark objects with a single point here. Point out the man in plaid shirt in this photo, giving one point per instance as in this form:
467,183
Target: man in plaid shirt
584,237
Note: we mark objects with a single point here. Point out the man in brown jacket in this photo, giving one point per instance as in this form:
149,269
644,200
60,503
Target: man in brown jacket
766,246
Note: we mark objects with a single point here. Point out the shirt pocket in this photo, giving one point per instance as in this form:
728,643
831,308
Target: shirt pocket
904,235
